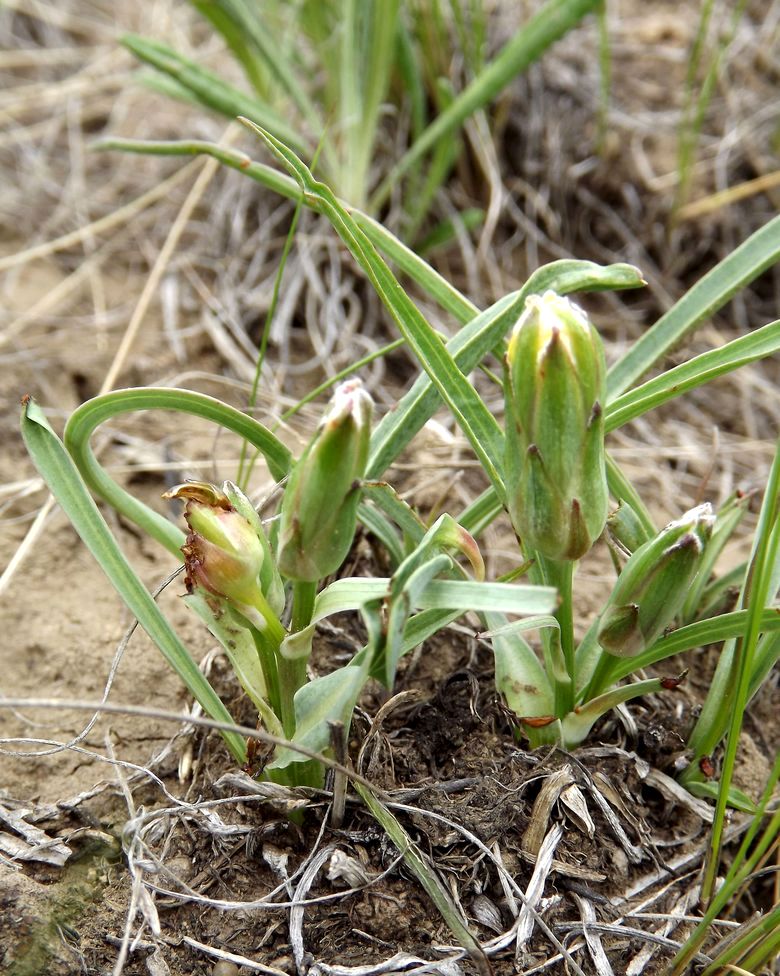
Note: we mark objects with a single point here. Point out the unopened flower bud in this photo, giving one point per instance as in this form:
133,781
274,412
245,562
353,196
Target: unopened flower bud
554,463
226,551
625,526
319,509
653,584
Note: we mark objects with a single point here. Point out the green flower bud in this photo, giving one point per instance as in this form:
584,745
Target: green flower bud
226,551
652,587
624,525
319,508
554,463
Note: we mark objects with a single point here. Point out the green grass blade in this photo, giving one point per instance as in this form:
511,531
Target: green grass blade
60,474
219,15
471,414
209,89
378,51
432,283
329,698
555,19
375,522
759,252
755,597
425,874
282,70
699,634
696,372
476,339
750,854
86,418
494,597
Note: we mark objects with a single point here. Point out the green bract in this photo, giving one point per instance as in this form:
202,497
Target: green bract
226,552
554,462
319,510
654,583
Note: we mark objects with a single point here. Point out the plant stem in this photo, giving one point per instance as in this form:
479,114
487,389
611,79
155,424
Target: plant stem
601,678
560,574
292,671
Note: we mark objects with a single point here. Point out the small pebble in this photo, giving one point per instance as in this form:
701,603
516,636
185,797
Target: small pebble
224,968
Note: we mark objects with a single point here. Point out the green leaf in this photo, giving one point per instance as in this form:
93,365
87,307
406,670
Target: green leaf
473,417
576,725
699,634
696,372
84,421
520,677
759,252
60,474
209,89
736,799
551,22
241,651
473,342
331,698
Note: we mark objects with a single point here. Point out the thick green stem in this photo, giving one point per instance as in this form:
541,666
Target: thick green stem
268,652
559,573
601,679
292,676
292,671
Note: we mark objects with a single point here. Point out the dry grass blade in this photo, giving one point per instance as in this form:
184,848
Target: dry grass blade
297,911
28,842
112,220
238,960
595,947
533,894
681,908
551,789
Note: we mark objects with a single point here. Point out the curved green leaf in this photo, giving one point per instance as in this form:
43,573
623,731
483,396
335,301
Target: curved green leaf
91,414
759,252
696,372
59,472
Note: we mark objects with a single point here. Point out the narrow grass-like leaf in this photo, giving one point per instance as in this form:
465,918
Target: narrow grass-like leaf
432,283
472,343
737,800
60,474
622,489
241,651
497,597
696,372
369,50
425,874
729,517
384,496
759,252
578,723
550,23
755,597
752,851
247,18
219,16
699,634
330,698
86,418
379,526
209,89
473,417
405,591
